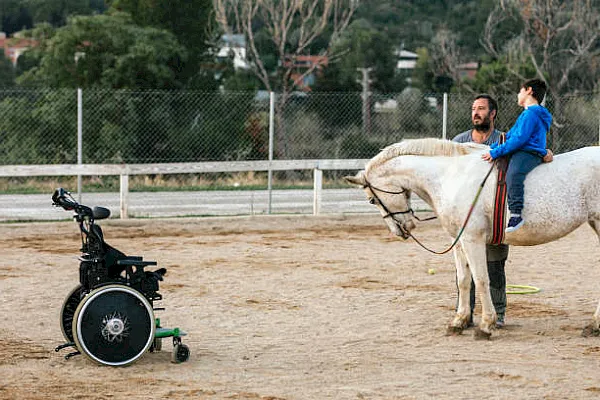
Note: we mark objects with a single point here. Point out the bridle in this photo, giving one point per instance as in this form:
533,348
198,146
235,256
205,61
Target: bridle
389,214
405,232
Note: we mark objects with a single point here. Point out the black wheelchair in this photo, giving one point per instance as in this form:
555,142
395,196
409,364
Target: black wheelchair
109,316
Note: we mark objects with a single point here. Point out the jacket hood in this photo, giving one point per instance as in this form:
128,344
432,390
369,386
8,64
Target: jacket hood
543,113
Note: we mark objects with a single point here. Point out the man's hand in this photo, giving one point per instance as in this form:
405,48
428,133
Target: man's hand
487,157
548,157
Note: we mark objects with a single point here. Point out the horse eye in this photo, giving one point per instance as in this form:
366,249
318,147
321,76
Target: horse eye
372,200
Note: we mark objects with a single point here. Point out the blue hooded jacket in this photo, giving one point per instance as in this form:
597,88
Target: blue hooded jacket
528,133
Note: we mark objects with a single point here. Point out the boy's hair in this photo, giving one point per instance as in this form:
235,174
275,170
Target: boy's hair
492,103
538,87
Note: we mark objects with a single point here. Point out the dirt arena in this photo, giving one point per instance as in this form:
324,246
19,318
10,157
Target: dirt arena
296,307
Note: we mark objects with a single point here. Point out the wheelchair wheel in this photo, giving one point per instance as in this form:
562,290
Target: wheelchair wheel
181,353
114,325
68,311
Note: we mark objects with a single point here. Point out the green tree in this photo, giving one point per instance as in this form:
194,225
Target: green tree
189,21
558,38
107,51
422,76
7,72
14,16
496,78
34,125
293,27
413,23
361,46
32,57
56,12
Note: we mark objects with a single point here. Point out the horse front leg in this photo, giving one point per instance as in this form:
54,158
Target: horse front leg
463,283
477,259
593,329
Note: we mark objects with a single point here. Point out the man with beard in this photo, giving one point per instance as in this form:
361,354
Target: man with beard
483,115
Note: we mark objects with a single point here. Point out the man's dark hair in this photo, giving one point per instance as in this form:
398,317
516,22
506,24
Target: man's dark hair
538,87
492,103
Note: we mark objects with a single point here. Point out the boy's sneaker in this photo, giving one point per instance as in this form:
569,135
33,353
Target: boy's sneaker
514,223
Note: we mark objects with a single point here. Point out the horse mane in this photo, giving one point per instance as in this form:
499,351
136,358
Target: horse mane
424,147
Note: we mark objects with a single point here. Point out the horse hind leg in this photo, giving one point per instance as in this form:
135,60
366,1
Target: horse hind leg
595,224
593,329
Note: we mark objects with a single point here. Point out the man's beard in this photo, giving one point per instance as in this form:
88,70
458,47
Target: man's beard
483,126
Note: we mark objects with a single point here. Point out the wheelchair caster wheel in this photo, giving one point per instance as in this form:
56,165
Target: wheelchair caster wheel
181,353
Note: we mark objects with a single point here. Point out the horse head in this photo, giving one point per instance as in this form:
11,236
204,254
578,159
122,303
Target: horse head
393,202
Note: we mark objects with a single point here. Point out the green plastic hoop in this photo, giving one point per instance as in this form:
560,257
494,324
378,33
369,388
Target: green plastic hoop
522,289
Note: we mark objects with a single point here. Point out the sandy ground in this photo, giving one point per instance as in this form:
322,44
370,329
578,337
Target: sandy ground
288,307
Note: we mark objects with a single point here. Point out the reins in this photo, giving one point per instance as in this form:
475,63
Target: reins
410,210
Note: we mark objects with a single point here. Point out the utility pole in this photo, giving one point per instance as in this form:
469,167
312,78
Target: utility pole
366,93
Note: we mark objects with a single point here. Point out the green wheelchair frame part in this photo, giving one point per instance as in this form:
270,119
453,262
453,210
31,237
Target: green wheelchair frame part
161,332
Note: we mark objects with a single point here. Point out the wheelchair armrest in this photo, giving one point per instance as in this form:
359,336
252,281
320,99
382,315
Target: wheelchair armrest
137,261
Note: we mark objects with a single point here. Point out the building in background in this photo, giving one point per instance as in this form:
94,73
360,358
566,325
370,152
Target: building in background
234,46
301,64
15,46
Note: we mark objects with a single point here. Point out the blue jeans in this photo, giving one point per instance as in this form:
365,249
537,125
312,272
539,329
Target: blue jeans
519,166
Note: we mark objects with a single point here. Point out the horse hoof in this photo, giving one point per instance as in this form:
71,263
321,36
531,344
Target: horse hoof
454,330
590,330
481,335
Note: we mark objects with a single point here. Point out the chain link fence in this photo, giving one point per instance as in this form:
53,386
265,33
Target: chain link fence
41,126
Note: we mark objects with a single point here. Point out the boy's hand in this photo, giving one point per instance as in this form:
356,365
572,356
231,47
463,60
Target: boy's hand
548,157
487,157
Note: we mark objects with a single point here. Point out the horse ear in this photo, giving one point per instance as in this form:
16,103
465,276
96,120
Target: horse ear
358,179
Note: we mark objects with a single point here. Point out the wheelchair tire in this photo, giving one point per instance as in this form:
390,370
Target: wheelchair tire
114,325
181,353
68,311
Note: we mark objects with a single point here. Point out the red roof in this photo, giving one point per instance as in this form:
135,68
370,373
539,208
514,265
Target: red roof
306,61
15,46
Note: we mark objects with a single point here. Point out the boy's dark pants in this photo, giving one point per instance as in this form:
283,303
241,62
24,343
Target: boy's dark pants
521,163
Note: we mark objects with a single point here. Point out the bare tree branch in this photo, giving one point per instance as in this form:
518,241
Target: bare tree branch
559,37
306,19
293,27
446,57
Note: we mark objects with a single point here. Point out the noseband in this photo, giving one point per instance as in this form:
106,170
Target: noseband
388,212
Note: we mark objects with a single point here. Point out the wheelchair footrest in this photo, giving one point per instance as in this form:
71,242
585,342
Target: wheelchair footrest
166,332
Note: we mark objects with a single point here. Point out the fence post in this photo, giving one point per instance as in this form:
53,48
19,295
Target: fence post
124,192
79,140
318,190
271,134
445,117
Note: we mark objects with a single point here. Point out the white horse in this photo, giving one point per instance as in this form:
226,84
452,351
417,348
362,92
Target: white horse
559,197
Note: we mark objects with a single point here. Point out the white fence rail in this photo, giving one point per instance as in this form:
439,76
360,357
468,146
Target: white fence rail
125,170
